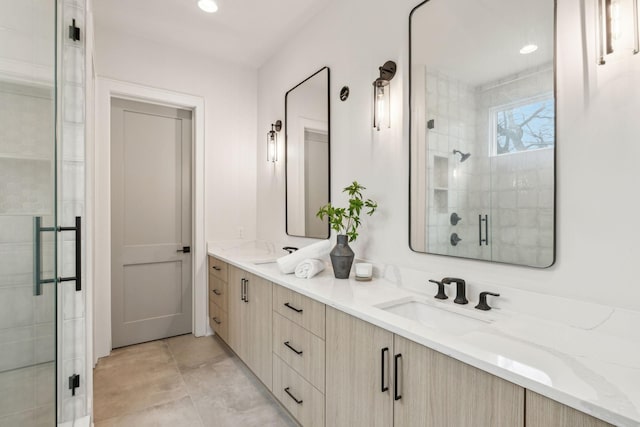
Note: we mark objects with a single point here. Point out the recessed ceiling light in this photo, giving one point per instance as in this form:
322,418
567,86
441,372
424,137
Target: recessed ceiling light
530,48
208,6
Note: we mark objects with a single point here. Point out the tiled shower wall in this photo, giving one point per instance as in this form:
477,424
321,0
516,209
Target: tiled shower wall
71,197
451,106
521,216
515,191
27,328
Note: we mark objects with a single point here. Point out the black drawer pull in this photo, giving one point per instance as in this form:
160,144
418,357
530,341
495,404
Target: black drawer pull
216,268
217,292
396,387
215,319
286,390
297,310
383,376
293,349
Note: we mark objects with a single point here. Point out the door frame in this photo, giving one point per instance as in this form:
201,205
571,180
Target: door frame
106,89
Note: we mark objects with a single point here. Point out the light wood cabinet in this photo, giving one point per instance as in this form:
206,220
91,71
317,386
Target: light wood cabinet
437,390
218,298
250,323
301,398
544,412
359,380
300,349
377,379
351,373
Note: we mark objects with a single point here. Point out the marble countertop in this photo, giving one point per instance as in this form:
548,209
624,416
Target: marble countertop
583,355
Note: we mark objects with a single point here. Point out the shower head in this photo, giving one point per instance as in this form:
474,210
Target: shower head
463,156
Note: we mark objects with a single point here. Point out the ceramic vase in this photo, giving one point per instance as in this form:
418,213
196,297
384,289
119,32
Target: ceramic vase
342,257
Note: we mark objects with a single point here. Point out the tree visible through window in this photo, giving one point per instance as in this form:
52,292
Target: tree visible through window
525,127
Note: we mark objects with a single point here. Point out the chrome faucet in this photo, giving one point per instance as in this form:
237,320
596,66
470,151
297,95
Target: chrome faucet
461,297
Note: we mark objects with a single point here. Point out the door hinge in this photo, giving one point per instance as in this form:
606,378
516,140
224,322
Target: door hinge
74,32
74,383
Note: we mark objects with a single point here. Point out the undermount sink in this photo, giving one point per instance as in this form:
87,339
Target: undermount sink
432,316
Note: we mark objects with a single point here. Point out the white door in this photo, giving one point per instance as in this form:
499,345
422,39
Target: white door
150,222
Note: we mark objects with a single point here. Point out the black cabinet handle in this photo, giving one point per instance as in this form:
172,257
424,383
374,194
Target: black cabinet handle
286,390
396,388
217,292
298,352
242,283
216,268
382,363
246,290
297,310
215,319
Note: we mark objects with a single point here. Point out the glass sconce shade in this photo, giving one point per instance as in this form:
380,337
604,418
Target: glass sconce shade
381,100
382,96
272,141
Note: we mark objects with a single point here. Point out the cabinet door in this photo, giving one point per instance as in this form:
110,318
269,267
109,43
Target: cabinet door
257,328
356,370
438,390
543,412
236,307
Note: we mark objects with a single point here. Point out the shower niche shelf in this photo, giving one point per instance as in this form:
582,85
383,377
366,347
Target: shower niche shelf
441,184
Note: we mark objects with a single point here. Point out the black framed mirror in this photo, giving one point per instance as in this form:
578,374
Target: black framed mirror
483,130
307,148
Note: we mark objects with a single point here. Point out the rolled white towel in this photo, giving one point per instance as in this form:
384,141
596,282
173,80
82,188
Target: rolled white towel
288,263
309,268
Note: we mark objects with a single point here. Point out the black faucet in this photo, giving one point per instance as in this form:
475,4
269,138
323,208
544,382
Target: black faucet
461,297
441,294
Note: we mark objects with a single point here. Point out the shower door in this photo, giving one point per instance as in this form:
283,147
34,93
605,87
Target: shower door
28,213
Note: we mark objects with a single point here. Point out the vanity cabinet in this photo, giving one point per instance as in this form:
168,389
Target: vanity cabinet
437,390
218,297
359,388
250,323
299,355
544,412
376,378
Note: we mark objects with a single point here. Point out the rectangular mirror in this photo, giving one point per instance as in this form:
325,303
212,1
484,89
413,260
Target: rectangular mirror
482,130
307,140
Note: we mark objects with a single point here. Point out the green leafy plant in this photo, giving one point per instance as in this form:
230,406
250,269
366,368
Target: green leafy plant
347,220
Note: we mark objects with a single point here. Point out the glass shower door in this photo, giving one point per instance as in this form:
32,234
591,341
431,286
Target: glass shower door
28,213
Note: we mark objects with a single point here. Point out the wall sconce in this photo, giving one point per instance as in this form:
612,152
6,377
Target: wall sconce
272,141
382,96
613,31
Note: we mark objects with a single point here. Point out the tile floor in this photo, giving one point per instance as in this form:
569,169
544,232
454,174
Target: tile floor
181,381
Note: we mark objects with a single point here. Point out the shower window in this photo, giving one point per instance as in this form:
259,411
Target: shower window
523,126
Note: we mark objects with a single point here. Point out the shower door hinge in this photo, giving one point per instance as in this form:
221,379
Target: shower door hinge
74,383
74,32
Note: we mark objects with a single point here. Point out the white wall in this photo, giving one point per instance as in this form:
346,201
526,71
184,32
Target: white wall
597,203
229,92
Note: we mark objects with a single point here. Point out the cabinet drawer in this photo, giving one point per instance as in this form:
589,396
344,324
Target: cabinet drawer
300,398
218,320
218,291
299,309
300,349
218,268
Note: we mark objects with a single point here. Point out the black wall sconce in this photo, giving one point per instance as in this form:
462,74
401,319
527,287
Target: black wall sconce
382,96
272,141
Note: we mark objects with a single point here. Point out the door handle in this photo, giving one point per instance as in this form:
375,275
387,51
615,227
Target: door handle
185,249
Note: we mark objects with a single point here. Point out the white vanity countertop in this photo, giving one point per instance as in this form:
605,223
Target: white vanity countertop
583,355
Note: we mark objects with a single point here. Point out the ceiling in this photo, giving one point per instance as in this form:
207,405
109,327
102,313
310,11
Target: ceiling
243,31
479,41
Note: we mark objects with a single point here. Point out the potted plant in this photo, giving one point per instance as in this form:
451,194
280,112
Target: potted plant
345,221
